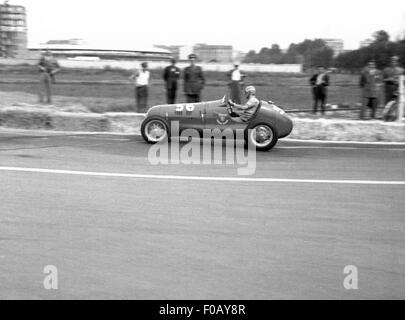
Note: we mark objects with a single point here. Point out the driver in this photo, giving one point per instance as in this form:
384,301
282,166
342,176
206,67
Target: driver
246,111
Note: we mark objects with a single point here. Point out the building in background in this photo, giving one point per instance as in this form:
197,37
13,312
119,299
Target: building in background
366,43
204,52
79,49
174,49
214,53
238,56
13,31
337,45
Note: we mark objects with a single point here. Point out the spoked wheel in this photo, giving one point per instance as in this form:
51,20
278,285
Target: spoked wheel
154,130
262,136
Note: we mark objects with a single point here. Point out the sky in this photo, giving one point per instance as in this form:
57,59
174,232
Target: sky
248,24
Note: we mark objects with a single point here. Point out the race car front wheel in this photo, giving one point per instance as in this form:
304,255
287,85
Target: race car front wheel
154,130
263,136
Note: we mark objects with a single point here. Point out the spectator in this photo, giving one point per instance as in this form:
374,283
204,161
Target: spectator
193,81
390,112
141,79
319,82
391,78
235,83
171,75
48,67
370,82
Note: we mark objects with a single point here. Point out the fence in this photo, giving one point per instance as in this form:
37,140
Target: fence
222,67
131,65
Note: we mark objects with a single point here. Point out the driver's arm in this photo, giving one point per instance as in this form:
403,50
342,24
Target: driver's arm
249,104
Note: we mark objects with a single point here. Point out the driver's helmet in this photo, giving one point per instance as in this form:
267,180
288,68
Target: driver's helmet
250,90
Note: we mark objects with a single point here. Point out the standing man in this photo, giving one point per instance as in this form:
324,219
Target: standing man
235,82
193,81
370,82
319,82
391,78
141,79
171,75
48,67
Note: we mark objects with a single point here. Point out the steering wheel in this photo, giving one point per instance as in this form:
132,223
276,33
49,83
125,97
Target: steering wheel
229,106
232,113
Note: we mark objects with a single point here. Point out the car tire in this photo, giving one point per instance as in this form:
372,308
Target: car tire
153,138
269,132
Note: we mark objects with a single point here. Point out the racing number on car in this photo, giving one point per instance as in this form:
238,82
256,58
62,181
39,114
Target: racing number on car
188,107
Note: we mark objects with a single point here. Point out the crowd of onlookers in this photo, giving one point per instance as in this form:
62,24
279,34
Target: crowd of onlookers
372,81
193,82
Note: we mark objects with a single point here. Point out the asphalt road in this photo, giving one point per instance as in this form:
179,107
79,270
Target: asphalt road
117,227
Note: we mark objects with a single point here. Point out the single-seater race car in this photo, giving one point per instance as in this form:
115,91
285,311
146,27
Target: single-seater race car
263,129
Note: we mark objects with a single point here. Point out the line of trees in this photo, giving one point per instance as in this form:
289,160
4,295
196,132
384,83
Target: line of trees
380,50
312,53
309,52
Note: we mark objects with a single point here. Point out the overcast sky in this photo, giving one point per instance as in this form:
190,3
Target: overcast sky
248,24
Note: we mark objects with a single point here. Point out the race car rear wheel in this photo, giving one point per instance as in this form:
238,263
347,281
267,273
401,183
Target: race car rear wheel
154,130
263,136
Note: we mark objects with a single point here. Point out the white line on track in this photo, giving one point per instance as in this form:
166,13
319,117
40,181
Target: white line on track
196,178
341,148
100,138
84,133
382,143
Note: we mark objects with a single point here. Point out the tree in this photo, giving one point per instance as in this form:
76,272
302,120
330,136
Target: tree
250,57
275,53
265,55
381,37
312,52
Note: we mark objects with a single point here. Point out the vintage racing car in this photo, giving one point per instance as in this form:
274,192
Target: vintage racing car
262,130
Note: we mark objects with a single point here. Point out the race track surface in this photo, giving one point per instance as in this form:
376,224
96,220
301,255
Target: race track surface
121,232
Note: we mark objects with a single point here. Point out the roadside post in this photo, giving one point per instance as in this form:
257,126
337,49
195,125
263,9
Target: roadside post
401,102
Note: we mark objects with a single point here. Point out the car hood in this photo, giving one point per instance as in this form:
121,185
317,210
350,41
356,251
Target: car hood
168,108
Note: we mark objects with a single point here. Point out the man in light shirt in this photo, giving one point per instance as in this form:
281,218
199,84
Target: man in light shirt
141,78
236,81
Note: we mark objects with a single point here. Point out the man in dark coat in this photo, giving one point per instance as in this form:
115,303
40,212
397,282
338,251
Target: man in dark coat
370,82
391,78
319,82
193,81
48,67
171,75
